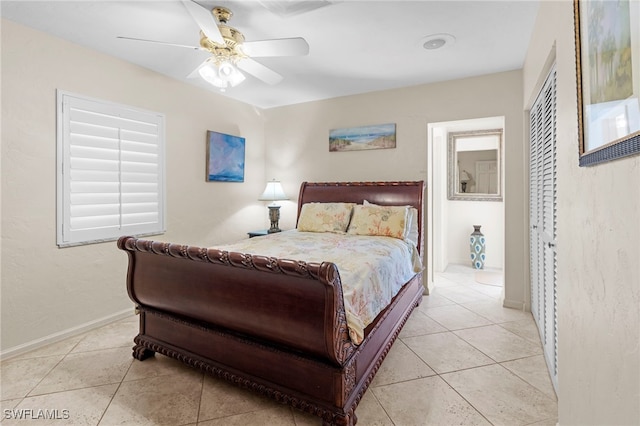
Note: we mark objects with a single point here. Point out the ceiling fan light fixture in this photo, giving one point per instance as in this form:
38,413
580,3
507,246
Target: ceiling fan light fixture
226,70
232,74
221,75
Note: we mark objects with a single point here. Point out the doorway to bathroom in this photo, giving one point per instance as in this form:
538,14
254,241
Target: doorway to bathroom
466,163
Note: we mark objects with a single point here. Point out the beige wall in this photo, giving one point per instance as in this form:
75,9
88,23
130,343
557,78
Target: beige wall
598,275
47,291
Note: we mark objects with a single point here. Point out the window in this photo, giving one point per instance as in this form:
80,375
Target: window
110,171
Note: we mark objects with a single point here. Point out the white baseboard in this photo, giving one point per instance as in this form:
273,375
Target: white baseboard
514,304
70,332
428,284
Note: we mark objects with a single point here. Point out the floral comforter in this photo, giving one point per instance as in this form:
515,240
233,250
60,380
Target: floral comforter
372,268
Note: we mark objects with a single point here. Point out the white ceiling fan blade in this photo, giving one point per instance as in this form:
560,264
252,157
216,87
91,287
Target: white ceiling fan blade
205,20
259,71
296,46
160,42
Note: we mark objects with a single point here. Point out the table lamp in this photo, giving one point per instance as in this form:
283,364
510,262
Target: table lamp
464,178
273,192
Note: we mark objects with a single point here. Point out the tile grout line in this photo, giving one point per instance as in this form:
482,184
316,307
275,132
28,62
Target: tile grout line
49,372
200,400
114,394
467,401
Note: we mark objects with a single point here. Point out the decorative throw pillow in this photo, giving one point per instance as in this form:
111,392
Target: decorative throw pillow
388,221
411,228
325,217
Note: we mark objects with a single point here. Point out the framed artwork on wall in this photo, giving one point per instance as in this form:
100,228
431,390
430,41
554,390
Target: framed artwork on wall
225,157
607,37
381,136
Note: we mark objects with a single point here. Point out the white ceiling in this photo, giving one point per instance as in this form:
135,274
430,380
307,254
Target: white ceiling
355,46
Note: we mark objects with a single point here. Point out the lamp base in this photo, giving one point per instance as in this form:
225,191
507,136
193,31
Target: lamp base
274,217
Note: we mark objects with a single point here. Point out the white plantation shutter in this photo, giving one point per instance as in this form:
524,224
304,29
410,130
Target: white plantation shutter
110,171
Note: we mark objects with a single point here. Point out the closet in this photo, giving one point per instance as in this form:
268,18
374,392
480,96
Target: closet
542,220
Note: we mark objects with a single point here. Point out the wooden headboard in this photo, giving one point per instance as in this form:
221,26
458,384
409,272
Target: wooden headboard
405,193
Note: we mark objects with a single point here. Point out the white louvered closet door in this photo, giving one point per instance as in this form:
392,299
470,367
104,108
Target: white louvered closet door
542,221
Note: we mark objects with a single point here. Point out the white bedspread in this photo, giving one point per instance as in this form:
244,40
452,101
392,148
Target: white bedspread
372,269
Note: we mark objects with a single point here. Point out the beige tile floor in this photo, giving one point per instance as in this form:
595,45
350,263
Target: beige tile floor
461,359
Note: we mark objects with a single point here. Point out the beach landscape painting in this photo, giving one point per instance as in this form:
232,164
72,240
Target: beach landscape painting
381,136
225,157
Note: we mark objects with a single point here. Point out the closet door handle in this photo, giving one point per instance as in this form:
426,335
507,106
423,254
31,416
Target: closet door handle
551,245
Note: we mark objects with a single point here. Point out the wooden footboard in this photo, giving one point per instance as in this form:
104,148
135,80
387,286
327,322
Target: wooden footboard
294,304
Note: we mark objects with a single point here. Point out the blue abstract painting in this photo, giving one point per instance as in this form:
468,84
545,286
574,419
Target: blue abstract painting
225,157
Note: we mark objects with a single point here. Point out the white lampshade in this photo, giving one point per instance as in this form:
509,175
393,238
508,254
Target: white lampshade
273,192
464,176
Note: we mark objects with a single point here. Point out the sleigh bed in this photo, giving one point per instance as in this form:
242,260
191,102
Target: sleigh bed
279,325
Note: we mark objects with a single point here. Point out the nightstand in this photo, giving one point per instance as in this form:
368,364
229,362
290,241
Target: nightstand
260,233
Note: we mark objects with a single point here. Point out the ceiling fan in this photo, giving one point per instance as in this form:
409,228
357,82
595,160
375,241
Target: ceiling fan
230,52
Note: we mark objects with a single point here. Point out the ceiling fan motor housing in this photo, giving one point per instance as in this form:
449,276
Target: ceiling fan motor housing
233,39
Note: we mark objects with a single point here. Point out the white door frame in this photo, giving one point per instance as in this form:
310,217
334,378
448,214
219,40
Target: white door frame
436,218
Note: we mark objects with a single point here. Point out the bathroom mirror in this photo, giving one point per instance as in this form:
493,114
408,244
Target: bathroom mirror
474,167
